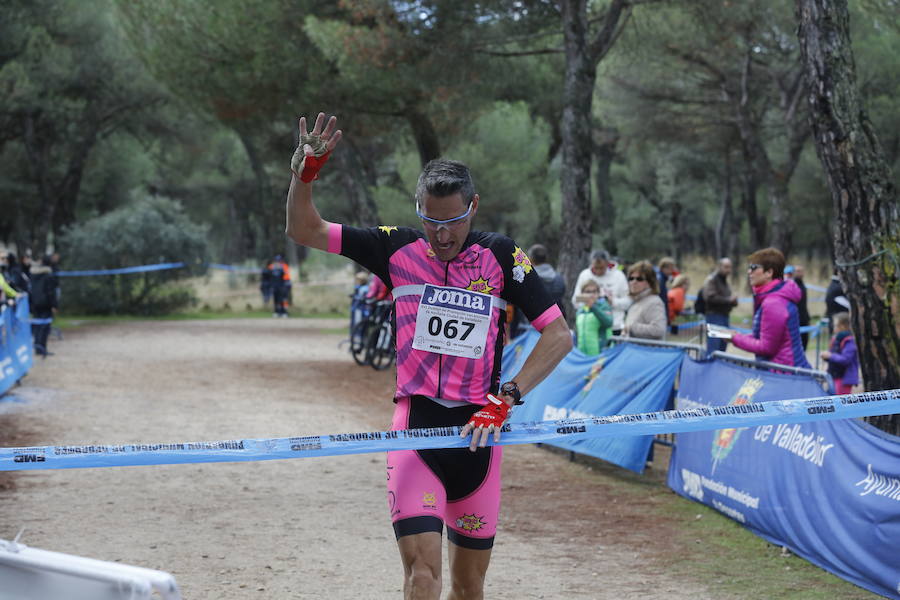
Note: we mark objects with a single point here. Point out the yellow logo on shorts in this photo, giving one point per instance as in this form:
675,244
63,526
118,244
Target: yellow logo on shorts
470,523
428,500
387,229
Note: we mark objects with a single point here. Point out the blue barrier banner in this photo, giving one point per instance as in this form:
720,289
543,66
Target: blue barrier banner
828,490
646,424
624,379
16,350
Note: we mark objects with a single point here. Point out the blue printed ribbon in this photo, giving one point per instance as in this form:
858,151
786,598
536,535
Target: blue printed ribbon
156,267
672,421
123,270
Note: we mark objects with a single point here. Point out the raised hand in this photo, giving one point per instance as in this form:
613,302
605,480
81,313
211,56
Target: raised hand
315,147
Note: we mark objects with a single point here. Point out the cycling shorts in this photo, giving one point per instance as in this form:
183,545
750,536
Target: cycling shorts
452,486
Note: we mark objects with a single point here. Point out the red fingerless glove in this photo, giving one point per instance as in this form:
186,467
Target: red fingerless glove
493,413
311,166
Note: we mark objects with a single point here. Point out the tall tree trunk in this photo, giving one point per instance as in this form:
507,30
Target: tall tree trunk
867,232
426,137
267,212
578,92
749,188
583,53
605,217
723,226
37,164
358,177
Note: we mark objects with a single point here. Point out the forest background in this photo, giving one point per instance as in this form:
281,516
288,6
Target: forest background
136,132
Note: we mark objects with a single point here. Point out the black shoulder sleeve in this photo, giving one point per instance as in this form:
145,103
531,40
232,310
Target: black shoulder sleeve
522,286
372,247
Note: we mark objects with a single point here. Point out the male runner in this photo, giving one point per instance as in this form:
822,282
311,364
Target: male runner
450,286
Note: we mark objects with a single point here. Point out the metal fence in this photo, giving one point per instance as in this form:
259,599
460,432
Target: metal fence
695,351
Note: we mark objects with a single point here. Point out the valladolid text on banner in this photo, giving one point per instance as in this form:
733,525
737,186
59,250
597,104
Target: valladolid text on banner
672,421
827,490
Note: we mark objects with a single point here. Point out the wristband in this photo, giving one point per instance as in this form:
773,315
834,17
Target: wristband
493,413
311,164
511,388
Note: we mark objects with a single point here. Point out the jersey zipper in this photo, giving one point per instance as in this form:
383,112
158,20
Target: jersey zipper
441,356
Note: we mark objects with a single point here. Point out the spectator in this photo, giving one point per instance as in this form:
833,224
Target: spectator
553,281
265,285
14,274
42,303
26,264
358,298
665,270
776,318
593,320
646,317
280,278
843,361
7,292
613,286
676,295
796,272
718,301
835,301
377,289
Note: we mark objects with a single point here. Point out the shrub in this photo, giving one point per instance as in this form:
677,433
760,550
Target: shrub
148,231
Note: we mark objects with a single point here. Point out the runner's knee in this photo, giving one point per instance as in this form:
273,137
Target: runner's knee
423,579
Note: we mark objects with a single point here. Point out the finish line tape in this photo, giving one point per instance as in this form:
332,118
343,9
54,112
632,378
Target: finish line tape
671,421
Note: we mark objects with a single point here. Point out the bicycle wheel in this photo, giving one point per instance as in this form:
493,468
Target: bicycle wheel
358,340
383,351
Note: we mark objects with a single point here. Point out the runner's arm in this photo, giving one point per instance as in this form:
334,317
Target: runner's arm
304,225
553,345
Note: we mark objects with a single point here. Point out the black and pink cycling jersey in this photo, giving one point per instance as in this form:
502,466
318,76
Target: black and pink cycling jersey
489,263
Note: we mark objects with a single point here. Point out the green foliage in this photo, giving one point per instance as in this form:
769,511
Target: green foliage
149,231
67,83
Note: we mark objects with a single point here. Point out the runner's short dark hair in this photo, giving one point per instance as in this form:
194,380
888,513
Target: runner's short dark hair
442,178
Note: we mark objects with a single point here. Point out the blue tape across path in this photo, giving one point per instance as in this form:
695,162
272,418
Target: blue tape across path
673,421
123,270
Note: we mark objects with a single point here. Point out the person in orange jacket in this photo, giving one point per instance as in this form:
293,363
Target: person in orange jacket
279,276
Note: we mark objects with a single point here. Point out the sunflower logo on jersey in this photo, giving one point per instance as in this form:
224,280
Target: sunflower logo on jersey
480,285
521,264
428,500
725,439
387,229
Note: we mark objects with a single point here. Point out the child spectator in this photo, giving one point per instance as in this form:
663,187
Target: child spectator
843,362
593,320
676,295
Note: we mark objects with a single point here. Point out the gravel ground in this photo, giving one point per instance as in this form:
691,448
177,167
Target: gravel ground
289,529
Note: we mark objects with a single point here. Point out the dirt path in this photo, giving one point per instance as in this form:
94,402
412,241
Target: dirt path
306,528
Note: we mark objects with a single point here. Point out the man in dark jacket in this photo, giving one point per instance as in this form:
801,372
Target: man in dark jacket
796,273
14,274
719,302
835,301
553,282
43,303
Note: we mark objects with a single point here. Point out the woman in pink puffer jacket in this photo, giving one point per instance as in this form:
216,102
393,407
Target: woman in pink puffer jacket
776,321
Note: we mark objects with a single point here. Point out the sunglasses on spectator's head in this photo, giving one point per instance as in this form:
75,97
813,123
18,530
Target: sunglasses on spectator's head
753,267
636,278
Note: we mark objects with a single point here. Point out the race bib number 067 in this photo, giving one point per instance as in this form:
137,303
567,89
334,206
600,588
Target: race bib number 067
452,321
